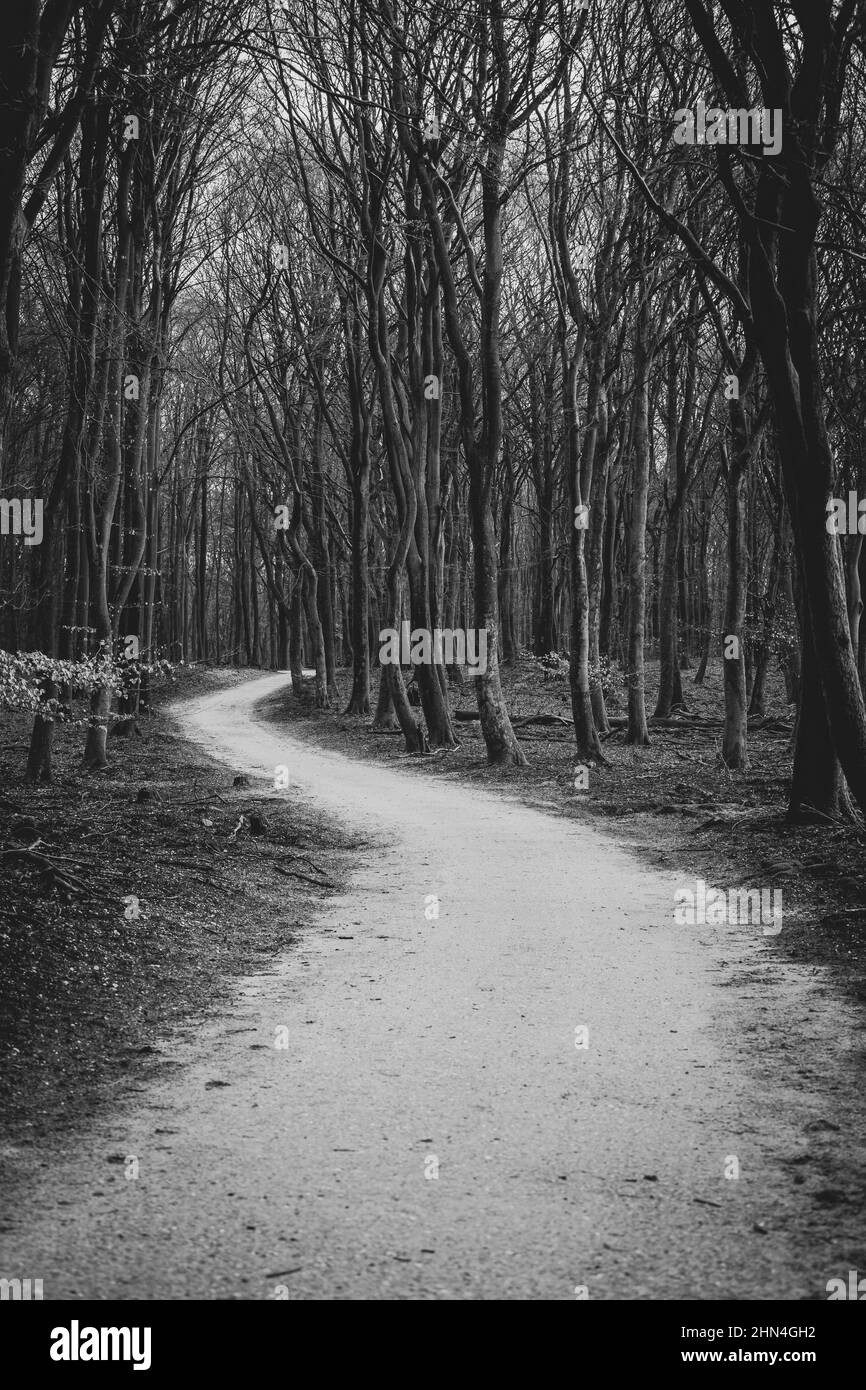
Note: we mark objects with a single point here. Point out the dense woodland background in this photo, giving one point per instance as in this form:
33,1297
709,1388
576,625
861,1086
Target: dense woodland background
318,317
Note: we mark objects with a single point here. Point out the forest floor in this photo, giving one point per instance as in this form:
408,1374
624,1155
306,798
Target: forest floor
556,1092
86,993
675,803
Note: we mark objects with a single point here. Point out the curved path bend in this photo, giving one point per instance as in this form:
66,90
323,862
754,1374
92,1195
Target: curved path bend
433,1129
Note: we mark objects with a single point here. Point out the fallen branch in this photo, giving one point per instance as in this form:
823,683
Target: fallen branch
468,715
546,738
686,723
61,876
541,719
294,873
202,801
681,725
185,864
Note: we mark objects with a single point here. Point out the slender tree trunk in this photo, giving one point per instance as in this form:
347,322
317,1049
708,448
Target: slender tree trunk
359,701
296,636
638,732
735,739
668,669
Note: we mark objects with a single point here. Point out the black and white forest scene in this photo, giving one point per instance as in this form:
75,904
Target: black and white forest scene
432,668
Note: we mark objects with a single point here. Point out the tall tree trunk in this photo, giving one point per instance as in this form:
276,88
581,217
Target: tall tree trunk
818,787
359,701
638,732
735,738
586,742
296,636
668,667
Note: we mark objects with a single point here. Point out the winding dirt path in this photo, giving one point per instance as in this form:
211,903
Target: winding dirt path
432,1130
